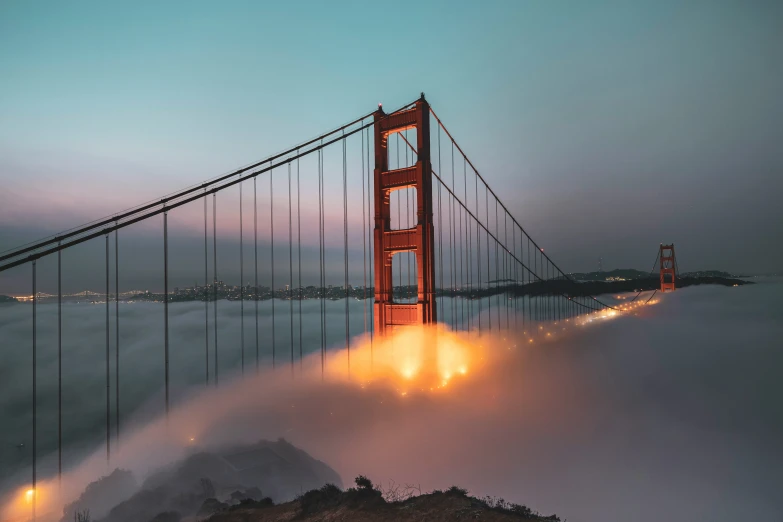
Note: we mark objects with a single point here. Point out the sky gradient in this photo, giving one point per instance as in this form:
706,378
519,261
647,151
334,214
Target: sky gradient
607,127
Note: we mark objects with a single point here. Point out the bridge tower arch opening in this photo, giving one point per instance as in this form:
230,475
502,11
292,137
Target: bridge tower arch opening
418,239
668,265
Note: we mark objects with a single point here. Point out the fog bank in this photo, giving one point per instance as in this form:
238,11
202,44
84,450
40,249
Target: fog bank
673,411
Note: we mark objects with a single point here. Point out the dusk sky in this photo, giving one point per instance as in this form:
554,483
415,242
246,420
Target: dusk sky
606,127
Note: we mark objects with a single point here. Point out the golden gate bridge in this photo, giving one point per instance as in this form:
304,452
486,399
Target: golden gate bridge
472,264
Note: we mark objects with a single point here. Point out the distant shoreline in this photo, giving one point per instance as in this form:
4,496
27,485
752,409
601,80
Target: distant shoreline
535,289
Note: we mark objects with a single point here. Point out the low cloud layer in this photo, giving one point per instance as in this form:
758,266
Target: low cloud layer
673,409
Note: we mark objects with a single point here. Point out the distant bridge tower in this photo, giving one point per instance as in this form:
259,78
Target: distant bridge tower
668,267
419,239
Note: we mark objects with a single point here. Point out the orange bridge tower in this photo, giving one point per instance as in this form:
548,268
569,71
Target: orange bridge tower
668,267
419,239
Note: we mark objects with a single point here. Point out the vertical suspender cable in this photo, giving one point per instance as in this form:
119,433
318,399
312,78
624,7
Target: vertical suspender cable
529,280
545,294
370,241
345,238
548,293
60,369
368,233
547,274
299,254
321,283
108,352
489,277
557,296
440,231
507,271
457,287
540,305
272,233
452,246
497,258
35,398
542,311
255,261
550,298
215,280
478,255
514,272
117,335
440,237
320,255
535,271
461,266
364,240
323,266
559,299
524,290
469,243
290,292
241,287
165,304
206,296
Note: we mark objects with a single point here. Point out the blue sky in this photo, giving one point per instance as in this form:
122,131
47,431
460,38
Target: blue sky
608,127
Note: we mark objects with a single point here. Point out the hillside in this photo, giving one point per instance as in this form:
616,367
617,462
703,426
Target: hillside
230,474
365,503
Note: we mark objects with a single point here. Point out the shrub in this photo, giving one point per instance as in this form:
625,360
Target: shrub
457,491
318,499
519,509
363,482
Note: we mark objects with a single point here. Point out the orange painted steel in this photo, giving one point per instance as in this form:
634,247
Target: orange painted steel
668,266
419,239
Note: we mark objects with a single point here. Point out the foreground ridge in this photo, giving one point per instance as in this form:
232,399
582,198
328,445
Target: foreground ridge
369,502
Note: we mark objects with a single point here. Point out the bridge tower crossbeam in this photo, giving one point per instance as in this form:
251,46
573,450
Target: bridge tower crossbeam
419,239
